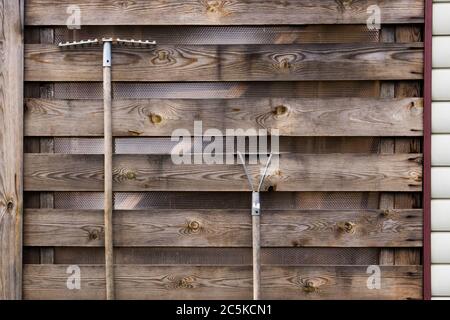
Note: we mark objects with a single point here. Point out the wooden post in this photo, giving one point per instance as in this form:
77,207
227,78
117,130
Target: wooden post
11,148
107,106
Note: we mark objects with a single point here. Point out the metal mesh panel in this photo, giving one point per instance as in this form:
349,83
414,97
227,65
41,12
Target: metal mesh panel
220,256
164,146
320,256
78,200
79,145
216,90
219,200
214,35
241,200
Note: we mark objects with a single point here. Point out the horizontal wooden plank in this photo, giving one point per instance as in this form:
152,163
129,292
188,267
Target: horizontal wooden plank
235,12
208,282
225,228
292,117
387,61
296,172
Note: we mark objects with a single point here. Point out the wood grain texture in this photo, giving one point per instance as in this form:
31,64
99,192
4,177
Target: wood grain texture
11,148
231,12
47,145
230,63
408,256
324,172
225,228
108,178
207,282
292,117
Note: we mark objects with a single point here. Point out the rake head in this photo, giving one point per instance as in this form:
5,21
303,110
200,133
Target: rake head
118,42
135,43
82,43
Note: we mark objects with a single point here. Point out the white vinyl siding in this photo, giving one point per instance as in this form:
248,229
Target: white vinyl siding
440,153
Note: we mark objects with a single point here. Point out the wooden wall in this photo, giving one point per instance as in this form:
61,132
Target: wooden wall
348,103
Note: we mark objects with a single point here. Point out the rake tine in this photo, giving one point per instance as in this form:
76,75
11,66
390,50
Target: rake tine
135,43
82,43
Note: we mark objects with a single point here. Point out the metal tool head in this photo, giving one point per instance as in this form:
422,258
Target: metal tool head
118,42
135,43
263,176
81,43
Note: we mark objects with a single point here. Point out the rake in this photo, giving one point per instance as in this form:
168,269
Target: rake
256,227
107,108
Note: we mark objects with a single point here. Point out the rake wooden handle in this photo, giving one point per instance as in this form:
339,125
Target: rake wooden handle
107,107
256,235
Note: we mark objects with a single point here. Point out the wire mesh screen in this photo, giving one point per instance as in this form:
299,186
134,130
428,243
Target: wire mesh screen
217,90
213,35
164,146
219,200
218,256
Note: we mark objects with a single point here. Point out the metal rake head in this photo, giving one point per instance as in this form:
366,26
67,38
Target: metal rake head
135,43
118,42
82,43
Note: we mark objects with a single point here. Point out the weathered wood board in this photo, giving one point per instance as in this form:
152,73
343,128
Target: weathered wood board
11,148
225,228
230,63
234,12
321,172
204,282
292,117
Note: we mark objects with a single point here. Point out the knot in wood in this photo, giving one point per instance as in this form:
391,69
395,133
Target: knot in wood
280,110
215,7
347,226
130,175
285,64
162,55
310,287
185,283
416,176
155,118
94,235
415,109
10,205
194,226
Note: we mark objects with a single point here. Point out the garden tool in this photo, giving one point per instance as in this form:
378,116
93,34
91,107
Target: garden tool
256,227
108,141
